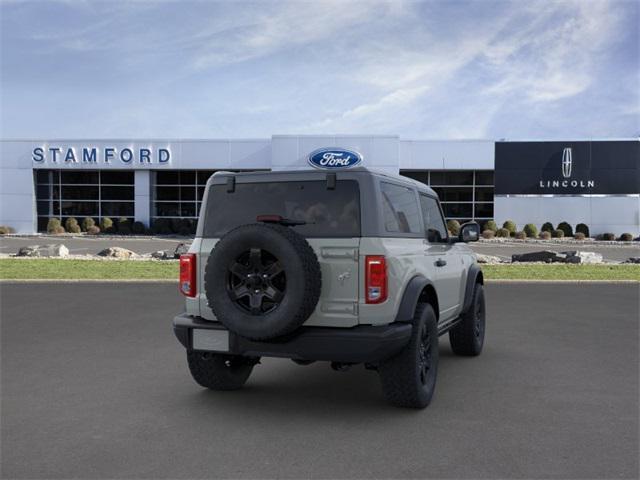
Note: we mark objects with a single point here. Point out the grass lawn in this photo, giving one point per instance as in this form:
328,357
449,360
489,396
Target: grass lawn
22,269
12,268
559,271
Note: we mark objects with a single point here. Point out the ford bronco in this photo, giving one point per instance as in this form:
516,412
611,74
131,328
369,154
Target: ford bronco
350,266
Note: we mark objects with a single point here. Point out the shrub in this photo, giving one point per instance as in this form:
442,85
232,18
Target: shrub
531,230
93,230
583,228
106,225
490,225
566,228
545,235
138,228
4,229
510,225
186,226
71,225
579,236
503,233
608,236
557,233
58,230
124,226
547,227
521,235
53,224
87,222
488,234
454,227
161,226
626,237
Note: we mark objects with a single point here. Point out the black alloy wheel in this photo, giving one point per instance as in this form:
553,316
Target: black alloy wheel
256,282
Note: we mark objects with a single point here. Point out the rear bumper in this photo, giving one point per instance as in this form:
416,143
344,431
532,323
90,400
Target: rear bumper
363,343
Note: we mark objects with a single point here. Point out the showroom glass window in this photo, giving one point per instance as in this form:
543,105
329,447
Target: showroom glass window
178,193
87,193
464,194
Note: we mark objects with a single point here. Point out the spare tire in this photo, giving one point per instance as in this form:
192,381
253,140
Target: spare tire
262,281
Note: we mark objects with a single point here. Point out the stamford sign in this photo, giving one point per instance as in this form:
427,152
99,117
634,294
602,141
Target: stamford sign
94,155
334,158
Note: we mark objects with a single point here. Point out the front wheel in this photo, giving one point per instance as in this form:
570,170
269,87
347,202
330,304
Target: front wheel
409,378
220,372
467,337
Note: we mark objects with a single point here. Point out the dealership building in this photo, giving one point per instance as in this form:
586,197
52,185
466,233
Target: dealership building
596,182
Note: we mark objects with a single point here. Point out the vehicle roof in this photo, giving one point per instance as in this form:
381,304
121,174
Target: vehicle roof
312,172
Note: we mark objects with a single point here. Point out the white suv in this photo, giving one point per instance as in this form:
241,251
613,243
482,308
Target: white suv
349,267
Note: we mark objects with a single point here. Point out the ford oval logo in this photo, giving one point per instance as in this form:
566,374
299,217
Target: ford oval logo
334,158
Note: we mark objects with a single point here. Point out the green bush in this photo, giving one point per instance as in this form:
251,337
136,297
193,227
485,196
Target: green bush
583,228
186,226
626,237
93,230
531,230
490,225
52,224
71,225
545,235
4,229
511,226
579,236
566,228
88,222
521,235
503,233
106,225
488,234
547,227
608,237
557,233
161,226
58,230
138,228
124,226
454,227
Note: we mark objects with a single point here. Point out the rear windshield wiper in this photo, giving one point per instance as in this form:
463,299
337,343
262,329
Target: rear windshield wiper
280,220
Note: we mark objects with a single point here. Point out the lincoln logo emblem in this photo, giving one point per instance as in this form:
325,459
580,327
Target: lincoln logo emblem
566,162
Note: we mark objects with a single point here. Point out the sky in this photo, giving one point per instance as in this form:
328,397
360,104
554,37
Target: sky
231,69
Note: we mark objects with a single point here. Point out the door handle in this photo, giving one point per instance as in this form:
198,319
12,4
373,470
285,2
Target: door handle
440,262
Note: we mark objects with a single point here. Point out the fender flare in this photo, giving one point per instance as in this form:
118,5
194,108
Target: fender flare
410,298
474,276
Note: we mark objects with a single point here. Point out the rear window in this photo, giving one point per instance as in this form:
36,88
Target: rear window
328,213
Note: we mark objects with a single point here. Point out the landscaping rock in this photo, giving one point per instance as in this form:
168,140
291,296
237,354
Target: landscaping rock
546,256
488,259
181,249
53,250
117,252
161,255
582,257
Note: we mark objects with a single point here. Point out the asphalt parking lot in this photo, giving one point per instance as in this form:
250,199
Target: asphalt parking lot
94,385
92,245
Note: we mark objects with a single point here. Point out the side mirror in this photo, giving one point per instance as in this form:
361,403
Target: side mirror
469,232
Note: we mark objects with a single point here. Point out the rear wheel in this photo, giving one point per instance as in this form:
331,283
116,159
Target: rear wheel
409,378
220,372
467,337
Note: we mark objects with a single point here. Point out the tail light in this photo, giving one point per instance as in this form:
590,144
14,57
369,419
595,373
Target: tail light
375,282
188,274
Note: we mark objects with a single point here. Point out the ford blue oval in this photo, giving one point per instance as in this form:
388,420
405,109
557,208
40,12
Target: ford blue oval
334,158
